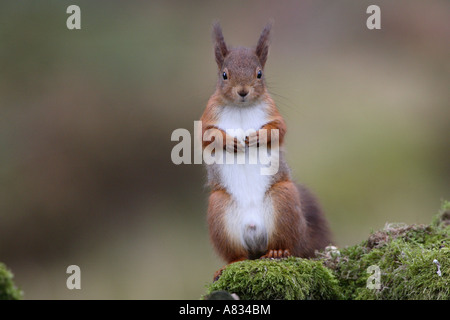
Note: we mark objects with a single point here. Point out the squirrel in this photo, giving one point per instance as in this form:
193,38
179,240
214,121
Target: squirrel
251,215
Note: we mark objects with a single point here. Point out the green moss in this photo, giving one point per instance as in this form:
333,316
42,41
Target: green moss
289,279
407,272
406,256
8,290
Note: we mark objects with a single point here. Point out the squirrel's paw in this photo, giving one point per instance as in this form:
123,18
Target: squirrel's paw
252,141
276,254
234,146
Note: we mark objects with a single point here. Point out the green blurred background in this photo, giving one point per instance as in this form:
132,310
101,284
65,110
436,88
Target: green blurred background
86,118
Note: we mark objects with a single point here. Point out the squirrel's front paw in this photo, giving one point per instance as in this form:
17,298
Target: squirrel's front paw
235,145
252,140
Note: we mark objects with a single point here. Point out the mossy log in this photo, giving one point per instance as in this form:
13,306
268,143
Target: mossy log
399,262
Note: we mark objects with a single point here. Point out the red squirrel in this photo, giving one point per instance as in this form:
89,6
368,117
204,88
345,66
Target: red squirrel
251,215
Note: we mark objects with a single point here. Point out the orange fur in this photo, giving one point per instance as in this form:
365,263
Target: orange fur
219,201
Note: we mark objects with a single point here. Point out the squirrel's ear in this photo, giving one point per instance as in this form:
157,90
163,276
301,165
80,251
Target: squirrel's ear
220,47
262,48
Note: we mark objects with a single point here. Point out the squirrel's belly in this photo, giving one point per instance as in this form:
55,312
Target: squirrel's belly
249,220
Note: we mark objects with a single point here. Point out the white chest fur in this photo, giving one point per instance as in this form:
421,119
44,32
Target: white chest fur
242,119
250,219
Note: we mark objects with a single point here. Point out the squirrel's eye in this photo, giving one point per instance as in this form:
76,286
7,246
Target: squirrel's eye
225,76
259,74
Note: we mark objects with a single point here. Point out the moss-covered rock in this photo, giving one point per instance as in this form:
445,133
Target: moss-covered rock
413,263
8,291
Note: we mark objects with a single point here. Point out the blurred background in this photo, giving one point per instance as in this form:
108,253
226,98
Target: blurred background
86,118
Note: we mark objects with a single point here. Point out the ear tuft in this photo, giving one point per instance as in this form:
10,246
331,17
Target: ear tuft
262,48
220,47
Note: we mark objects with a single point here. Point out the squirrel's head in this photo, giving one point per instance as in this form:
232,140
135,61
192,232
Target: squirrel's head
241,69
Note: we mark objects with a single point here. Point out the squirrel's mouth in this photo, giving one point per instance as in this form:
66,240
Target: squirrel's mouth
243,94
246,101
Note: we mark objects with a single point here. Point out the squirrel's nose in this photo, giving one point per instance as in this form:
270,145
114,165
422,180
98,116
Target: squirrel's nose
243,93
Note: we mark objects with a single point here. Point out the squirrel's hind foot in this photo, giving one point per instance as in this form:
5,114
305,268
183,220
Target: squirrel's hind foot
276,254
